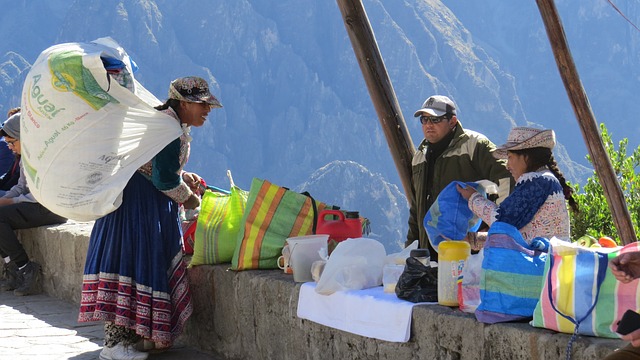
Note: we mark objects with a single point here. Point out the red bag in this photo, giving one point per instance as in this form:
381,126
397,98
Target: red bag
189,232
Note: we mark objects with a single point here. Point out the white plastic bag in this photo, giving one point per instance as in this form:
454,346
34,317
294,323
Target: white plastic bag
470,297
83,134
354,264
400,258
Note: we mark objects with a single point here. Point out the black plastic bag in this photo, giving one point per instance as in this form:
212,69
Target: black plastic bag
418,283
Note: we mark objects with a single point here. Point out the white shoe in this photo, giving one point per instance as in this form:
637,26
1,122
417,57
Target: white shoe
122,352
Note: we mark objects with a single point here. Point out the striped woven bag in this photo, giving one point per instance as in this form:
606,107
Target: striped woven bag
218,226
511,276
273,214
580,295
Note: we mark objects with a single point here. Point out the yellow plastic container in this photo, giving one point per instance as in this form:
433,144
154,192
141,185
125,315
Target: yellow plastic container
451,258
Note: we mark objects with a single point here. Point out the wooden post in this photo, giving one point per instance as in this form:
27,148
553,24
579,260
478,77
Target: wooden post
587,121
381,91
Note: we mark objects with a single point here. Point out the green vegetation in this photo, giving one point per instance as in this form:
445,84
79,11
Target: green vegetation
595,218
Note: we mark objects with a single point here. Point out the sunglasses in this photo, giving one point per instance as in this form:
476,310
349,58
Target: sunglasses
424,119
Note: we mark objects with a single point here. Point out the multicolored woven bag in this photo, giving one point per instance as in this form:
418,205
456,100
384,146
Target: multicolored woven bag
218,226
580,295
272,215
511,276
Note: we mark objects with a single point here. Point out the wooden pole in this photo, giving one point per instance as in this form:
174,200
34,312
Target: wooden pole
380,89
587,121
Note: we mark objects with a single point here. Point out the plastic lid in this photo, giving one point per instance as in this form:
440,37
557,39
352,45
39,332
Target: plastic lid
419,253
352,215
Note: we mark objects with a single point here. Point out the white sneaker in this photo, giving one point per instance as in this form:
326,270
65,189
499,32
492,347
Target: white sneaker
122,352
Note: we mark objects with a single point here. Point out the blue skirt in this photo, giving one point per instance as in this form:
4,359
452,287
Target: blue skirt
134,273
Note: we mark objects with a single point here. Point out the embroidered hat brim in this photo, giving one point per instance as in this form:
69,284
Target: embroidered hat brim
192,89
521,138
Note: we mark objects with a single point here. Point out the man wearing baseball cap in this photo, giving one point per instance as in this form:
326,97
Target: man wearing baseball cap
20,210
448,153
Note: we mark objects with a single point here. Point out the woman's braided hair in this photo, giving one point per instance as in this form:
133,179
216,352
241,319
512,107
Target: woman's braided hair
539,157
170,103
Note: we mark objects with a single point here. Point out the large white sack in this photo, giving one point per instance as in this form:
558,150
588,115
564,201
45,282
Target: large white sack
83,136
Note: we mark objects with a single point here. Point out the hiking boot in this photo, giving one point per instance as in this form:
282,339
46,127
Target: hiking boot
122,352
11,277
30,284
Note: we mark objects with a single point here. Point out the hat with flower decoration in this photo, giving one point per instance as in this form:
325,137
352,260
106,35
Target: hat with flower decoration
192,89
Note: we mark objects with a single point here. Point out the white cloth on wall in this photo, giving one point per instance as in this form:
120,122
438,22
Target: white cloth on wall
369,312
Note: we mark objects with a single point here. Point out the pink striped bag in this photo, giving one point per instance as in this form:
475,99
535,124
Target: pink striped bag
580,295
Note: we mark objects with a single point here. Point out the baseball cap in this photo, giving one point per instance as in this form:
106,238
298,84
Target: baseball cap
11,127
437,105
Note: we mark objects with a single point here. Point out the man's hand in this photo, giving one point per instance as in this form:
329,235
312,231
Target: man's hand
6,201
634,337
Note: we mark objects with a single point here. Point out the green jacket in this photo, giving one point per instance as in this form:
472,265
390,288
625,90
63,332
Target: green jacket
467,158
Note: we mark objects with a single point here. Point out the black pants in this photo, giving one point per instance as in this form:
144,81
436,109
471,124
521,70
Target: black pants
23,215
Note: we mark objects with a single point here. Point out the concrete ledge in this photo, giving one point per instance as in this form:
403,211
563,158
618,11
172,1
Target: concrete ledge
252,315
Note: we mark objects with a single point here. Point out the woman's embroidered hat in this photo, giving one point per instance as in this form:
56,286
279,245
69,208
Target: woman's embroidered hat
526,138
192,89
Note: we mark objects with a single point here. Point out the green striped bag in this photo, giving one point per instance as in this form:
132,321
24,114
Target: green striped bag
511,277
580,294
218,225
273,214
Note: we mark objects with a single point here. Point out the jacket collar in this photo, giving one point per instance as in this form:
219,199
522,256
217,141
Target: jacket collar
458,136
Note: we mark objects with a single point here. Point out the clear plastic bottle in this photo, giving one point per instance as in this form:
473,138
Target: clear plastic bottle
451,258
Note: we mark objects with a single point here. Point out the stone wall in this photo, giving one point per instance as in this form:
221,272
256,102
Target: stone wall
61,250
252,315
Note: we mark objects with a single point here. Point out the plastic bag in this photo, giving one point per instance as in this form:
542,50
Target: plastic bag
354,264
400,258
469,297
418,283
449,217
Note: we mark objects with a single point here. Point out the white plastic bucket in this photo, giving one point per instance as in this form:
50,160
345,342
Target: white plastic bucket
304,251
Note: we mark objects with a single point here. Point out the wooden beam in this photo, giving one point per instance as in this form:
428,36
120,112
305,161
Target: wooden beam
380,89
587,121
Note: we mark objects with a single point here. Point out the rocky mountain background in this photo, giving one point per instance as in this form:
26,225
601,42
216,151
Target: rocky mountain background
296,109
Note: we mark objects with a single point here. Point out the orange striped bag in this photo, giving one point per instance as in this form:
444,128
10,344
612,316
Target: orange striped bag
272,214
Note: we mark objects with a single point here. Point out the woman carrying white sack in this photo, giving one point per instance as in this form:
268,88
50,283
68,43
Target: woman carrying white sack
538,205
135,276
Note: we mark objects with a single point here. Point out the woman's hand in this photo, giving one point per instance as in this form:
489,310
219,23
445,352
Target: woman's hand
192,202
192,180
466,192
476,240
